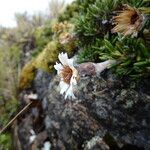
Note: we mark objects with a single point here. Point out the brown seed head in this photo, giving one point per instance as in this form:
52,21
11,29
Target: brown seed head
128,21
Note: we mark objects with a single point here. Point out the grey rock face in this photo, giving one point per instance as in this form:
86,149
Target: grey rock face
41,83
107,114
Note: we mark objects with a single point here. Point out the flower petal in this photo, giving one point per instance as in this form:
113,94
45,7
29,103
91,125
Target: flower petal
70,62
58,66
63,86
69,93
63,57
66,70
73,80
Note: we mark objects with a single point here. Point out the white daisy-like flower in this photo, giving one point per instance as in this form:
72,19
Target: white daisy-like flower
68,75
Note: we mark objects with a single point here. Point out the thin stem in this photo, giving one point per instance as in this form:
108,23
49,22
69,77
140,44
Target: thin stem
13,119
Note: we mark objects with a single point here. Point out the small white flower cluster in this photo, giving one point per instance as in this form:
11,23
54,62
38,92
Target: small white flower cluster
68,75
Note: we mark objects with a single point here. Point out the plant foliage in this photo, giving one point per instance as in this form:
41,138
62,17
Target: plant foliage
97,43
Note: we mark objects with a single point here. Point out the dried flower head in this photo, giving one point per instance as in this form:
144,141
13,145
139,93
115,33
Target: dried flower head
62,27
58,27
68,75
129,21
65,37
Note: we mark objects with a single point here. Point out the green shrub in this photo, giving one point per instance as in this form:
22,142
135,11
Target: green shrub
42,36
70,12
97,43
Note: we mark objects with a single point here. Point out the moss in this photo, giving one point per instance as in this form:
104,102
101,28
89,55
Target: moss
5,141
27,75
48,57
71,46
45,60
7,110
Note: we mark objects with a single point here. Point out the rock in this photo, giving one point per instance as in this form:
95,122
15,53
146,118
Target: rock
41,83
85,69
108,114
96,143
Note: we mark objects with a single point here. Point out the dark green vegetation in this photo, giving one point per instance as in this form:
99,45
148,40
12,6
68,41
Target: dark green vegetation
98,43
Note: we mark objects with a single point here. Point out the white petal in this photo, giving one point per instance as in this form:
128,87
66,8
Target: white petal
73,80
58,67
70,62
69,93
63,87
63,57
